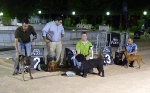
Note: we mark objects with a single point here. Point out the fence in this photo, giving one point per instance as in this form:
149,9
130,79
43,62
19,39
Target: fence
98,38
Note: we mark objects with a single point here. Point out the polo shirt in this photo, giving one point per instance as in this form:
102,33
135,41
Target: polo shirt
84,48
24,37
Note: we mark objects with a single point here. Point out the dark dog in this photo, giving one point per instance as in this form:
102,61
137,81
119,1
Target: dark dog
89,64
24,61
51,66
130,58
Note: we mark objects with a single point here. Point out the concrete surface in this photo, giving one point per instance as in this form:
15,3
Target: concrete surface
117,79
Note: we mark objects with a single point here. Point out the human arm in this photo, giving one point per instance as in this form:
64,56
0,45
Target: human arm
46,40
16,47
134,52
89,51
62,33
33,33
78,48
44,30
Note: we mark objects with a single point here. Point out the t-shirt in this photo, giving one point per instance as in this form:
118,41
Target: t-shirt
24,37
131,48
83,47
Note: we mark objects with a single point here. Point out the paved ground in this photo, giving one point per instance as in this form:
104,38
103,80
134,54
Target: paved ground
117,78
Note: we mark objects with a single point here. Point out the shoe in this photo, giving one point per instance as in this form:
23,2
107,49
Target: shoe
81,73
131,66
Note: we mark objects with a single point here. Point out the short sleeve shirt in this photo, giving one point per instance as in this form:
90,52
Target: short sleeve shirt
131,48
24,37
84,48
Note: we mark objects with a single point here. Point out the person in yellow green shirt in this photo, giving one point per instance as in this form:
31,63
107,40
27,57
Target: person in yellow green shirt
83,47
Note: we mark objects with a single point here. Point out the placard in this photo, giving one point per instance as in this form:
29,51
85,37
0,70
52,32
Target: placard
106,53
115,40
37,56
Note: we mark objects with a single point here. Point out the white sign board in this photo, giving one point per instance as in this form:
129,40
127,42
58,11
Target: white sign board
104,27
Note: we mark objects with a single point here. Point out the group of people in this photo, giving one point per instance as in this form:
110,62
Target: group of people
53,34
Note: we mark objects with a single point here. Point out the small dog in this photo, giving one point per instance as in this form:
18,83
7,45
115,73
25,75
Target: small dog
24,61
51,66
89,64
130,58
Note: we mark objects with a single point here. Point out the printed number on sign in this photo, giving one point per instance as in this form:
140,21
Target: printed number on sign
108,60
38,61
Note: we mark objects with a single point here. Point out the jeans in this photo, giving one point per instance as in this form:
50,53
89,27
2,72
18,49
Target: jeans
21,46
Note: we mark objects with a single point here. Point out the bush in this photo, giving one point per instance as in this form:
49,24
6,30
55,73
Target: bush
67,22
133,28
83,21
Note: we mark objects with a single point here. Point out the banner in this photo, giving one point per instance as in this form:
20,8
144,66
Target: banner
115,39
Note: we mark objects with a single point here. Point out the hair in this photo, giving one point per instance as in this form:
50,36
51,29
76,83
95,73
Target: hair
130,38
25,20
83,33
58,18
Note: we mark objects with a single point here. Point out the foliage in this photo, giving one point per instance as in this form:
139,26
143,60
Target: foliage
103,22
6,20
133,28
120,28
96,26
67,21
140,23
83,21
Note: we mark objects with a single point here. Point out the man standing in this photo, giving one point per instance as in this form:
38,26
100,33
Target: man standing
52,34
22,39
131,48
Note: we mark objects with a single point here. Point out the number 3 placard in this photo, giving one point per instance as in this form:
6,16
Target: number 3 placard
106,52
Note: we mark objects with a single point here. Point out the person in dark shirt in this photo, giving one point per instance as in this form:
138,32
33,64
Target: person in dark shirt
22,39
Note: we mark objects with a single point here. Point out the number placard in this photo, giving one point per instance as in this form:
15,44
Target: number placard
37,52
37,56
106,53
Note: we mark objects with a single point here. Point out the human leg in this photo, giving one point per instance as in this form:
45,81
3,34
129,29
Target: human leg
16,63
48,48
58,51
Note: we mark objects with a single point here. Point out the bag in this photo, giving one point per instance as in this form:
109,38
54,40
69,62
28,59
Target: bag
69,55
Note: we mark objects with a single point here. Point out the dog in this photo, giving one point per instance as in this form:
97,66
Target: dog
89,64
130,58
52,66
24,61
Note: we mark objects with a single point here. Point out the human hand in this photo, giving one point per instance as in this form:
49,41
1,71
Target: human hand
17,53
34,37
128,53
47,41
62,38
87,57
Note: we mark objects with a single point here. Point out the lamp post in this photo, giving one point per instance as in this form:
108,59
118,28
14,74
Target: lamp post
145,13
1,14
39,12
73,13
107,13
